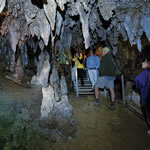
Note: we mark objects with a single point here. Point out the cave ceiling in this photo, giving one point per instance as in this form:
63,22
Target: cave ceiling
81,22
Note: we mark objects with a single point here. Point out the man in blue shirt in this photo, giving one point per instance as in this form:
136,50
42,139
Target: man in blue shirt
92,65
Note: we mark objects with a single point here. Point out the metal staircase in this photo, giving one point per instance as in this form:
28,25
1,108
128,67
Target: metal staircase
86,89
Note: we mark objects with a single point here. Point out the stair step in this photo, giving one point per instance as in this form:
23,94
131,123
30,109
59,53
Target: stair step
85,83
85,86
86,93
87,80
85,89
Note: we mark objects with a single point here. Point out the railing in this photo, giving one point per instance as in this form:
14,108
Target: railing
122,85
76,81
123,90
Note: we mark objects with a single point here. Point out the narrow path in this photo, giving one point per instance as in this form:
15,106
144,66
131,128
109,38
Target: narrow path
102,129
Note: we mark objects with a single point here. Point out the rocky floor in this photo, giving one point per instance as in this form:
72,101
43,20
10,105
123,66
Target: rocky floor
98,128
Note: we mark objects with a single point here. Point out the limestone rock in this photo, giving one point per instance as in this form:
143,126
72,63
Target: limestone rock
106,8
63,109
2,5
63,86
44,26
61,3
146,26
50,11
59,21
84,20
30,11
56,92
48,102
41,45
54,76
12,63
42,77
19,69
50,107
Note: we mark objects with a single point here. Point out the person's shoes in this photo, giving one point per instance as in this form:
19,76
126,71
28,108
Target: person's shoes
111,106
148,132
96,102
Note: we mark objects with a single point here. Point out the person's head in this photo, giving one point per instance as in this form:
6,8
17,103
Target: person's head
91,52
105,51
99,49
145,63
77,54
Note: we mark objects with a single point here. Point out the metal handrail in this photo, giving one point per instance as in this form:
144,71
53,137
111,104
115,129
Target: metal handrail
76,74
123,90
122,83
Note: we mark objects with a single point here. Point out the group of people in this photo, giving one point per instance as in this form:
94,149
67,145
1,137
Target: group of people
101,72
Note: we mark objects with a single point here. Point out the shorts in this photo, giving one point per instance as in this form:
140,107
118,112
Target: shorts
103,82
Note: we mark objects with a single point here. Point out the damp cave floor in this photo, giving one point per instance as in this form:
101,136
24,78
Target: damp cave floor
98,127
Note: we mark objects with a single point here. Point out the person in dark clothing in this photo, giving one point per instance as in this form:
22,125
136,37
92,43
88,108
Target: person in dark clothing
107,77
142,84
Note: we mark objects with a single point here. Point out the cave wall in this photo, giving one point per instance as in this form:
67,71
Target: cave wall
31,27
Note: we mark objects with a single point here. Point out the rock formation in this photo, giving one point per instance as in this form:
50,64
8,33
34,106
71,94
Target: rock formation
36,37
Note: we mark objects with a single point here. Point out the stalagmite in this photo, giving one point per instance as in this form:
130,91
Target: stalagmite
48,101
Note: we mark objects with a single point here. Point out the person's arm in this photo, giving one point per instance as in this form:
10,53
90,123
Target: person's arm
140,80
75,59
87,63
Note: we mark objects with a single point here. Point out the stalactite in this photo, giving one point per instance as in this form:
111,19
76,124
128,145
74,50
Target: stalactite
84,20
50,11
2,5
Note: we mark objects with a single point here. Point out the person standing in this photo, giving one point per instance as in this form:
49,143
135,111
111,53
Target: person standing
142,84
107,77
92,65
80,67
